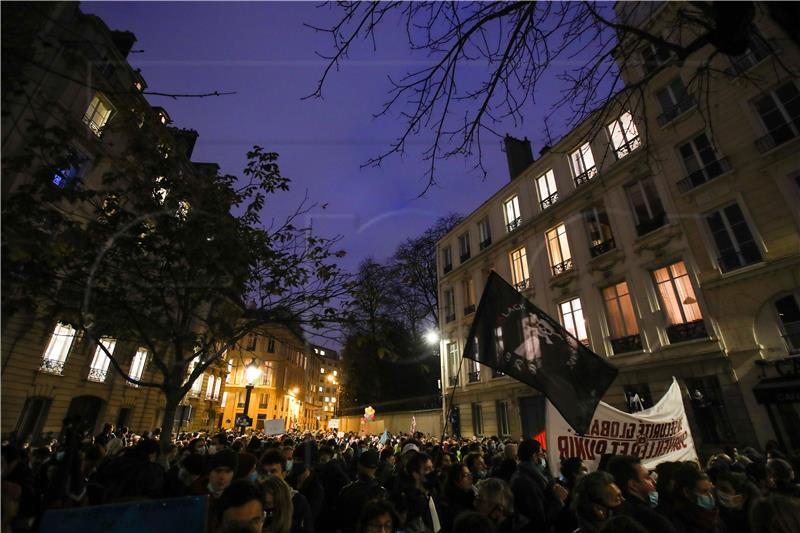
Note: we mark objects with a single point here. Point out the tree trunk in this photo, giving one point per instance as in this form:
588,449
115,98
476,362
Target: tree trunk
173,399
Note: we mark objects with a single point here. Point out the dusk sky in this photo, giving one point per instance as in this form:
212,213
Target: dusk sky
265,53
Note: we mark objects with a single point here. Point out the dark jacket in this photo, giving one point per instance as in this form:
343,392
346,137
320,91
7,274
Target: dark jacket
302,518
353,498
533,498
455,502
416,501
647,516
690,518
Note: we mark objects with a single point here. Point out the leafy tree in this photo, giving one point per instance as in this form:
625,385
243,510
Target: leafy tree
158,251
524,46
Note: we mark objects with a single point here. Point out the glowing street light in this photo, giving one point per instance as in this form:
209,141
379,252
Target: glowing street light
432,337
251,374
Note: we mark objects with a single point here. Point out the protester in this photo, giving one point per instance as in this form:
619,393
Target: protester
639,491
775,514
355,495
274,465
378,516
459,495
596,499
278,506
695,508
241,508
535,497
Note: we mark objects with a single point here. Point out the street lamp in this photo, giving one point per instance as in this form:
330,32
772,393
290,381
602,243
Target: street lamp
432,337
251,374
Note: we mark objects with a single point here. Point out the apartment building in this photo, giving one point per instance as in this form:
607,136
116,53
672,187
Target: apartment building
329,384
286,384
666,240
76,76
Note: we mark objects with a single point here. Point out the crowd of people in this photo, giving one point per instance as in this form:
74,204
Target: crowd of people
335,483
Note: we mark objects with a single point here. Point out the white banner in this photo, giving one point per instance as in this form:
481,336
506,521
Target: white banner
274,427
660,433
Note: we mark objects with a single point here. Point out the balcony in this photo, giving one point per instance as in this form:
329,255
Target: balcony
678,109
687,331
631,343
563,266
651,224
447,268
464,257
97,375
550,200
474,377
628,147
52,366
586,176
514,224
705,174
468,310
776,137
497,374
603,247
450,317
522,285
485,243
748,254
452,381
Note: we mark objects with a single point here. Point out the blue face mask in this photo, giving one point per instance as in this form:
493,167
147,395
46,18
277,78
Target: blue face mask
253,477
289,464
705,501
653,497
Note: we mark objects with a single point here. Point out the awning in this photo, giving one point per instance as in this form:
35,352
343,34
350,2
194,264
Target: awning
778,390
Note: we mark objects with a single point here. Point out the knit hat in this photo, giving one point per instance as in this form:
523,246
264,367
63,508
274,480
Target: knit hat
368,459
226,458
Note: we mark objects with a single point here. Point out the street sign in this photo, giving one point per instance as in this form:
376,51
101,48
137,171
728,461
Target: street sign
244,421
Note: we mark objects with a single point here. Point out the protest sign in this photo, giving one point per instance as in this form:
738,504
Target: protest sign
333,423
660,433
274,427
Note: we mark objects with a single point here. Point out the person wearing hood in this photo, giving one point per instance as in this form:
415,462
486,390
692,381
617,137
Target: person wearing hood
535,496
355,495
221,468
695,509
639,490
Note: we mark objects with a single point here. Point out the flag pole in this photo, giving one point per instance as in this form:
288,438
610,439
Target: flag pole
452,393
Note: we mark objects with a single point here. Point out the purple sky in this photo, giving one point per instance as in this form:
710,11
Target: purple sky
264,53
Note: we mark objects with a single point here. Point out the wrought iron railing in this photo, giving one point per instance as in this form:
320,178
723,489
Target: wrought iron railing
563,266
453,381
474,377
705,174
52,366
777,136
514,224
631,343
522,285
586,176
687,331
603,247
685,104
450,317
550,200
448,267
97,374
484,244
748,254
464,257
468,310
628,147
651,224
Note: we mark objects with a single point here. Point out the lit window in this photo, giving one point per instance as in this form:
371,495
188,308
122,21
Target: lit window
572,318
583,167
601,239
321,370
452,363
320,389
98,113
624,135
519,268
512,214
57,350
217,388
558,247
677,294
224,401
333,400
335,373
230,372
137,365
210,387
546,187
322,352
327,399
621,317
98,370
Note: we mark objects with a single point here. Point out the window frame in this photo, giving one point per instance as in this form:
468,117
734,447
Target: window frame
586,173
98,368
564,264
484,233
674,292
55,365
572,313
138,363
732,237
547,189
464,247
654,219
512,202
520,273
89,118
630,144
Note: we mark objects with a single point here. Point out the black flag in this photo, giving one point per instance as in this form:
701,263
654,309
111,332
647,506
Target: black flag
514,336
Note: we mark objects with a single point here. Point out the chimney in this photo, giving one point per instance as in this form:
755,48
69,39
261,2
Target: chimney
518,154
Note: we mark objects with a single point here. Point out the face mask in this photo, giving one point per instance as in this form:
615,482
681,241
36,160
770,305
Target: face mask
253,477
653,497
480,474
730,501
289,465
212,449
705,501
